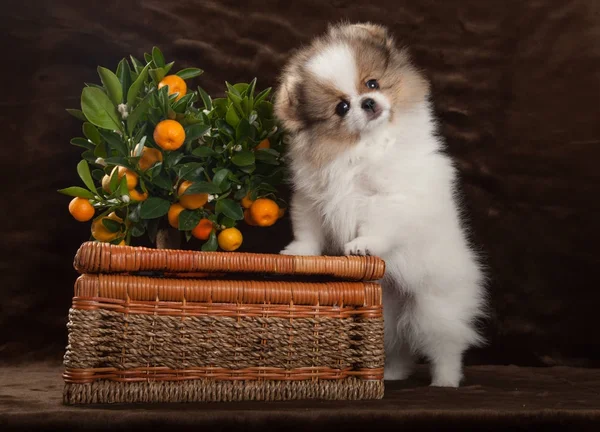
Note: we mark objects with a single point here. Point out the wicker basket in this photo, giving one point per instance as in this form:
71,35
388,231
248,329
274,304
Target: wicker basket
146,327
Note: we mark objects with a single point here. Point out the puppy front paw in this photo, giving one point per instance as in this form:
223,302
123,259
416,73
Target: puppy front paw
366,246
301,248
358,246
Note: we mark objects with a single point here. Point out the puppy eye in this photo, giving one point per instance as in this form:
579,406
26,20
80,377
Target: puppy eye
373,84
342,108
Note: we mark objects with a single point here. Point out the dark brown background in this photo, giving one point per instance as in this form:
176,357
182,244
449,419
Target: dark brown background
517,89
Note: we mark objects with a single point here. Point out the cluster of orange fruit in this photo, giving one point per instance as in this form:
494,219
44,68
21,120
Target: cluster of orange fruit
169,135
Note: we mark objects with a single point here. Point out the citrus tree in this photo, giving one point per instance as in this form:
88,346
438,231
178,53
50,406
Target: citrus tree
157,153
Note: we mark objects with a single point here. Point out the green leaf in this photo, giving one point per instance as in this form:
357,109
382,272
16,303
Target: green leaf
163,181
181,104
266,187
231,117
241,88
168,67
114,180
112,225
233,90
152,227
227,222
78,114
189,171
202,187
99,110
204,152
220,179
266,156
230,209
76,191
195,131
83,169
262,96
119,160
243,130
115,142
224,128
211,244
250,91
112,84
189,73
123,189
157,74
248,169
99,87
136,115
97,174
154,170
154,207
243,158
265,110
205,98
220,105
124,74
82,142
91,133
138,230
158,58
173,158
137,85
137,65
163,97
188,219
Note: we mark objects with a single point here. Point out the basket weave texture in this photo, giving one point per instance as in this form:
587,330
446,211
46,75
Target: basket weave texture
175,337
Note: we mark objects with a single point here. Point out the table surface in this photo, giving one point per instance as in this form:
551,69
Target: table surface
31,397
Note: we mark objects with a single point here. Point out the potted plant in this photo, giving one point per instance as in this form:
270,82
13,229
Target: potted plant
163,160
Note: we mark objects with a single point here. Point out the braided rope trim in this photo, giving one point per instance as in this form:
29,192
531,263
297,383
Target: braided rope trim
176,309
108,392
83,376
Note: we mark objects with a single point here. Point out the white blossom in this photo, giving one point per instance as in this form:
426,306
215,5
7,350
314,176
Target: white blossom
101,162
125,198
123,110
237,148
239,187
211,198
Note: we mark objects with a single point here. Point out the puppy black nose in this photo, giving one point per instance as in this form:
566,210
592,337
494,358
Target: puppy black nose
368,105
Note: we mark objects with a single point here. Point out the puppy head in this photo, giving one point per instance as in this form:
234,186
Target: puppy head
346,83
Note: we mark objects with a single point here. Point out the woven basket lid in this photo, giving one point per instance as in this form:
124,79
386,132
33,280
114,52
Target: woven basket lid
96,257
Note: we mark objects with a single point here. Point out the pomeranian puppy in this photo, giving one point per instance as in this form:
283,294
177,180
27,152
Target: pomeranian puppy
369,177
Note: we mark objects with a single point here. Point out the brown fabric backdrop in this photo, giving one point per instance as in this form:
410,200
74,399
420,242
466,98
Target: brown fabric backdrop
516,85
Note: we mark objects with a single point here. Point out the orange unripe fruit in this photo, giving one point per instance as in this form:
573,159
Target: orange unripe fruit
191,201
132,178
169,135
149,157
203,229
101,233
264,212
230,239
81,209
246,202
176,84
264,144
137,196
173,214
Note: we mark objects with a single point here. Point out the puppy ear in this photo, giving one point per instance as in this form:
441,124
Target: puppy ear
286,101
377,32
